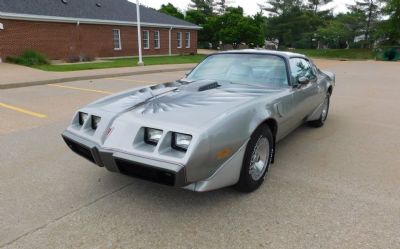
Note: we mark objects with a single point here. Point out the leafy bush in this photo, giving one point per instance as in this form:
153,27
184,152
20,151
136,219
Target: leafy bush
29,58
303,43
203,45
388,53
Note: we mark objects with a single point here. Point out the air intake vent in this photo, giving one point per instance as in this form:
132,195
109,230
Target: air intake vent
209,87
80,149
200,85
146,172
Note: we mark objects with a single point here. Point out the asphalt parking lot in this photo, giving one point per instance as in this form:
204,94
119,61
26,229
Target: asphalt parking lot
333,187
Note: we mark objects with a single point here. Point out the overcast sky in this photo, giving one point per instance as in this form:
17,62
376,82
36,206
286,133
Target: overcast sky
250,6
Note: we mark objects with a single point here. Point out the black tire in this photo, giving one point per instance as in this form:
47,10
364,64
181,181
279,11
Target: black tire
246,181
322,118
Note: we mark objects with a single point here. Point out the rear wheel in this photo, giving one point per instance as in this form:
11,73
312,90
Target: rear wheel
256,160
324,113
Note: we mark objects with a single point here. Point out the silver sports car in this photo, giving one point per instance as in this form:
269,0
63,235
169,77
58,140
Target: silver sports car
216,127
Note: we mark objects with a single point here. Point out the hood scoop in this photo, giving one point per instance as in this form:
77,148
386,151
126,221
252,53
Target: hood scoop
201,86
209,86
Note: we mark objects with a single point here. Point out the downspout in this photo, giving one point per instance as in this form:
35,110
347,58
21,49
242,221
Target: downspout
170,41
1,29
77,50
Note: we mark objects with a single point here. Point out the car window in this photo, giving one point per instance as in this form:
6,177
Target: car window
214,66
260,69
314,67
301,68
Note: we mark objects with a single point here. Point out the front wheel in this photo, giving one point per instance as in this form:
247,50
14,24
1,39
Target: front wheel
324,113
256,161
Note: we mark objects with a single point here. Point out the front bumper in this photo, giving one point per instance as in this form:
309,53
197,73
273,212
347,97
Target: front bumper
144,168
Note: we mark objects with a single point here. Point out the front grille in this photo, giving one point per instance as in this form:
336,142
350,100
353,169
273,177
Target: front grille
80,150
146,172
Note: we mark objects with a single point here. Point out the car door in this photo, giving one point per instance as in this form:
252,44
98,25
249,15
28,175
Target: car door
305,97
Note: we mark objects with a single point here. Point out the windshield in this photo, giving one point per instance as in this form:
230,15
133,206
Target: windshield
259,69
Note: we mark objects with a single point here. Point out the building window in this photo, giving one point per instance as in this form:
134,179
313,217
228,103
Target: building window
187,39
156,39
179,36
146,44
117,39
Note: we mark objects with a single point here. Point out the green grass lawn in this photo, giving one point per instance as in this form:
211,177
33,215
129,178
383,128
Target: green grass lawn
350,54
125,62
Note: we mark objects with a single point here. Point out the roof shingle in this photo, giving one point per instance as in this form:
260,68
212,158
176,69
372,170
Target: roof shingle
109,10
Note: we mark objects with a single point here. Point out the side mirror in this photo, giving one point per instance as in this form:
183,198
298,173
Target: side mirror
303,80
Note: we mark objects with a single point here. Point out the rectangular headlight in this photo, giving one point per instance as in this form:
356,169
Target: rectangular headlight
152,136
83,117
95,122
181,141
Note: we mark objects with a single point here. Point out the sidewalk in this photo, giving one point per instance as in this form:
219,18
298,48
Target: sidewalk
206,51
14,76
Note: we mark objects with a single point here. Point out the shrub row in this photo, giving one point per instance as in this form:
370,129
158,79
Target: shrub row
29,58
33,58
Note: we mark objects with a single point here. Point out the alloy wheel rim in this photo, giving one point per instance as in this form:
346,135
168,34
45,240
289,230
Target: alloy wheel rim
259,159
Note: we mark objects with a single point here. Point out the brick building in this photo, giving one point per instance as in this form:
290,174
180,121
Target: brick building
63,29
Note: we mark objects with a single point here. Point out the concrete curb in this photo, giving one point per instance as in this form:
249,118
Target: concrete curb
92,77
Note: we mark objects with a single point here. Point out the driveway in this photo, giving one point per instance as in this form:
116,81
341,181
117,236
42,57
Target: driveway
333,187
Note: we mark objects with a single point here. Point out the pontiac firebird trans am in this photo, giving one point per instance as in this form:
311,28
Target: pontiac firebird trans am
216,127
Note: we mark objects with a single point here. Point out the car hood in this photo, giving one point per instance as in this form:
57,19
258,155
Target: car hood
192,104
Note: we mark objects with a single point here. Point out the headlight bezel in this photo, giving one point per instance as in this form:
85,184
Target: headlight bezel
179,146
148,136
82,118
95,121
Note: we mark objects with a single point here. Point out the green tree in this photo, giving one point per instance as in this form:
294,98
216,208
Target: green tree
282,7
294,27
222,5
334,34
354,22
196,17
206,34
390,29
291,22
211,30
371,10
204,6
315,4
171,10
237,28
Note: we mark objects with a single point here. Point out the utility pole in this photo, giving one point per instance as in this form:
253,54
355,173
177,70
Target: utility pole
140,62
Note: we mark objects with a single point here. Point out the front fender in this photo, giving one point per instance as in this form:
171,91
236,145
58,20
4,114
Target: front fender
332,78
226,135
